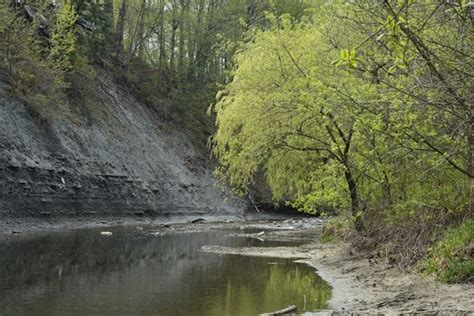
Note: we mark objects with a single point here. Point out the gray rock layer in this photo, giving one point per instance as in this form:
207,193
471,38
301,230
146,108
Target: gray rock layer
126,161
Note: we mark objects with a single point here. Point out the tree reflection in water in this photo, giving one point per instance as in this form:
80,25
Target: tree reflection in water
134,272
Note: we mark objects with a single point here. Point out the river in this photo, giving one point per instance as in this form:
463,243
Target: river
140,271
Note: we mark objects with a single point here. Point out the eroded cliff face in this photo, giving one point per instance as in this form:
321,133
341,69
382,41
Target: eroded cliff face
121,160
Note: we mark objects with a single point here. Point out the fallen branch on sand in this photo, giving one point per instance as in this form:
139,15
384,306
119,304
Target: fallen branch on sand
289,309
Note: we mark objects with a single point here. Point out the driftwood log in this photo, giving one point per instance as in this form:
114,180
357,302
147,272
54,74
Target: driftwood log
286,310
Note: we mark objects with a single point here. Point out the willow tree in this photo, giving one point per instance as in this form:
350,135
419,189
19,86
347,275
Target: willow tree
379,120
290,113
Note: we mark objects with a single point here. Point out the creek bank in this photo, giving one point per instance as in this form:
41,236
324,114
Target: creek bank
361,286
33,225
108,155
164,224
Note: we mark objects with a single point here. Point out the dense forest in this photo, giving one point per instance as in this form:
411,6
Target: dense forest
362,109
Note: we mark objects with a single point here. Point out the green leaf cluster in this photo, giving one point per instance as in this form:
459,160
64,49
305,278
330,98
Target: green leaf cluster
64,39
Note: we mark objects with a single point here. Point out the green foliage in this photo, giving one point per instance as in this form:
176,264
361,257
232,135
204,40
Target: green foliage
281,114
326,192
94,34
63,40
379,120
307,124
44,70
346,57
452,258
336,228
22,58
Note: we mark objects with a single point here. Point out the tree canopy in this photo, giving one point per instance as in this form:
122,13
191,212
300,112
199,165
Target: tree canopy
366,105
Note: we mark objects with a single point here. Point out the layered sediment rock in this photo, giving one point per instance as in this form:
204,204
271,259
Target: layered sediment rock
125,160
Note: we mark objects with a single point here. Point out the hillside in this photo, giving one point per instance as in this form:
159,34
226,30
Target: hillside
121,160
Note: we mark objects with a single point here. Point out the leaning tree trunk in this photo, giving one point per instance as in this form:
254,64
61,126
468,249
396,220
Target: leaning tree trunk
353,192
162,57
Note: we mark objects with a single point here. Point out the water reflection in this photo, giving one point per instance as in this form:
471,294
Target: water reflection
279,284
135,273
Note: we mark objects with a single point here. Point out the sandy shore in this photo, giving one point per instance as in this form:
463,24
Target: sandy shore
362,286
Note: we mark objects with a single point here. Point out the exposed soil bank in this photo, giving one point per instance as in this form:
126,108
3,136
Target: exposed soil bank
107,155
363,286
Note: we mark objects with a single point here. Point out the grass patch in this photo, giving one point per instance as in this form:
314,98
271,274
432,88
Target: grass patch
452,258
336,228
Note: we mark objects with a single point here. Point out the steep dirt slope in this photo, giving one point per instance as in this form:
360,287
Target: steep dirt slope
118,159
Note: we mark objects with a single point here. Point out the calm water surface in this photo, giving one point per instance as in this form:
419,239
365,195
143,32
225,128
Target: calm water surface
134,272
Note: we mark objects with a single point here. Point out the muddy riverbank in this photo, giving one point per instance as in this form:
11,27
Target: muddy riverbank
177,223
32,225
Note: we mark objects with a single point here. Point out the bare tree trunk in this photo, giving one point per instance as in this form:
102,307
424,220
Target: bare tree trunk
470,137
181,51
119,33
162,36
470,140
197,64
191,56
182,36
470,162
174,27
141,30
109,15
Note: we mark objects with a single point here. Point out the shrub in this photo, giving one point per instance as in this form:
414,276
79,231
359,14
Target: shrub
452,258
337,228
